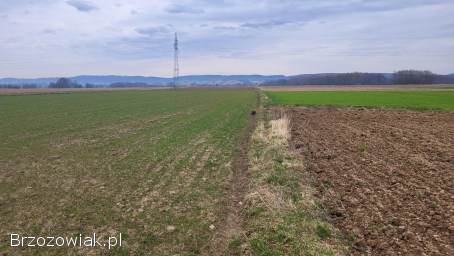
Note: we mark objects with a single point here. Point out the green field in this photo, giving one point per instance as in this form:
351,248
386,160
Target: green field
153,165
389,99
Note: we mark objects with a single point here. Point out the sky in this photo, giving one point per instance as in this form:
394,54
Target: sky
47,38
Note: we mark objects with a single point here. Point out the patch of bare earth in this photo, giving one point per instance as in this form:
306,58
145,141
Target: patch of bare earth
231,225
386,177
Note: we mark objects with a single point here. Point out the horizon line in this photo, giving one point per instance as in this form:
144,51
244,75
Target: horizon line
232,74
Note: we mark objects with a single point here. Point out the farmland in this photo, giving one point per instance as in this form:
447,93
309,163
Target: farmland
382,164
195,172
377,99
152,165
385,176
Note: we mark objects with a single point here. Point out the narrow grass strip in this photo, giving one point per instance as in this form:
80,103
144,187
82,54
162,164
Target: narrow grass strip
281,216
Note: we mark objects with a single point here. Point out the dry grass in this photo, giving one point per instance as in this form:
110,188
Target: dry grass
281,213
271,200
280,129
278,132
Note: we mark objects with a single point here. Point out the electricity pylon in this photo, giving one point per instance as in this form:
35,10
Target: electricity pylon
176,66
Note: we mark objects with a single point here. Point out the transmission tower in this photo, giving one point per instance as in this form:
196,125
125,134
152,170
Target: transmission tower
176,67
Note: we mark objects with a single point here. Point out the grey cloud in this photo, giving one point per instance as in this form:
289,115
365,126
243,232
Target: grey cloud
180,9
152,31
386,5
12,4
49,31
128,48
252,25
82,5
303,11
266,24
225,27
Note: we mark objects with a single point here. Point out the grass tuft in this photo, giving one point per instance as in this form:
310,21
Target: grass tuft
322,231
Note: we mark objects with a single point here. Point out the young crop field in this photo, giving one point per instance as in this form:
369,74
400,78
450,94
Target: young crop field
376,99
152,165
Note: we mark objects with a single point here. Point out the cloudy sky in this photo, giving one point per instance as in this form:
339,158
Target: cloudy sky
72,37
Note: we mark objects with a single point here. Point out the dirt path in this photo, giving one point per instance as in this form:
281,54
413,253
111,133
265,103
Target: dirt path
231,226
386,176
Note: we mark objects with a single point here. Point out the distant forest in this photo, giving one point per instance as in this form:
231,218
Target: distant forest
357,78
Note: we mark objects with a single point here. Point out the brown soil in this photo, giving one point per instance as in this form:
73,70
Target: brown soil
386,177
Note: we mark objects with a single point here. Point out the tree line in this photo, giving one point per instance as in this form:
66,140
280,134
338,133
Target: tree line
358,78
15,86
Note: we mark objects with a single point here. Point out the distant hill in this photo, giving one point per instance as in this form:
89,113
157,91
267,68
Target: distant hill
158,81
225,80
21,81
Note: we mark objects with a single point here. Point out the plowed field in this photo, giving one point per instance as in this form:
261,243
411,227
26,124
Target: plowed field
386,176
